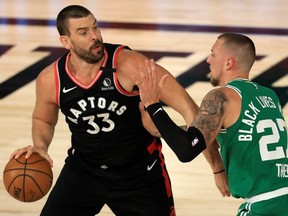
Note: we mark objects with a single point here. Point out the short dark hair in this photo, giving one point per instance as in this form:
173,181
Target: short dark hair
71,11
243,47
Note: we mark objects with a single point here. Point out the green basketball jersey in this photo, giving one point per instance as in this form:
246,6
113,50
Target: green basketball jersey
254,148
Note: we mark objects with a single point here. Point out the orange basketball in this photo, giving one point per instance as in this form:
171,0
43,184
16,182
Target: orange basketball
28,180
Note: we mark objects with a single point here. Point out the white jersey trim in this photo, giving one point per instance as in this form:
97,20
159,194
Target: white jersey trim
268,195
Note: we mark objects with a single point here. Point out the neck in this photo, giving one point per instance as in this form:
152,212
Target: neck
237,76
78,66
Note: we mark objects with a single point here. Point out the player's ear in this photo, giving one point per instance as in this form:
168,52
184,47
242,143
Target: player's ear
65,41
229,63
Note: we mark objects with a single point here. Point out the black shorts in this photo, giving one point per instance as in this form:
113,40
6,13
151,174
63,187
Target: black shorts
143,189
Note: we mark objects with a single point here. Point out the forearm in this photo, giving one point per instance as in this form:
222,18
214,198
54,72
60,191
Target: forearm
42,134
185,144
212,155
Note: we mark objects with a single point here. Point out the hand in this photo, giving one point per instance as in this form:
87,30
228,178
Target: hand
221,181
147,122
29,151
149,87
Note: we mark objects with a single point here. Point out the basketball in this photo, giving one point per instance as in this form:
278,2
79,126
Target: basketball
28,180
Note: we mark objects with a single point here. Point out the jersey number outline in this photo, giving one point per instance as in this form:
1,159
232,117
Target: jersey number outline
95,127
271,139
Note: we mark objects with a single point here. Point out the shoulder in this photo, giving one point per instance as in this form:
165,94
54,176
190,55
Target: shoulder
45,82
223,93
128,62
219,95
224,102
130,57
46,74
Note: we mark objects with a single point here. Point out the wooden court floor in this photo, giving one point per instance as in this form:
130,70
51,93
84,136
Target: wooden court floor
178,34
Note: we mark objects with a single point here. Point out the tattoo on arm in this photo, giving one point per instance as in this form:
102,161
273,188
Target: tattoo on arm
211,113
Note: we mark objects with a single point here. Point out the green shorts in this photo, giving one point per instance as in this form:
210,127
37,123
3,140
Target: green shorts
277,206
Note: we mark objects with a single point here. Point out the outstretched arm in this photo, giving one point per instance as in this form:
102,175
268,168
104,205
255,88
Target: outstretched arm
177,139
186,144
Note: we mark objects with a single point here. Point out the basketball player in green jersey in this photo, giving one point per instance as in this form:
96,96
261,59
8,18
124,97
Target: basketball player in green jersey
244,116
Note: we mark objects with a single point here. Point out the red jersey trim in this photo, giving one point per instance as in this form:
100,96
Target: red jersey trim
154,146
120,89
77,82
57,83
115,57
117,84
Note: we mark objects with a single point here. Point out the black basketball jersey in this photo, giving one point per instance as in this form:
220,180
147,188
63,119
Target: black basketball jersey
103,118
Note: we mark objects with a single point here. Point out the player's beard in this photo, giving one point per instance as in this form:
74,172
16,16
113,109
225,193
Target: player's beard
89,56
214,82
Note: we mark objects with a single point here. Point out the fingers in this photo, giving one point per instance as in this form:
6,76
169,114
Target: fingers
142,75
162,80
142,107
142,110
147,82
147,73
150,68
152,75
135,80
225,192
18,152
29,150
222,184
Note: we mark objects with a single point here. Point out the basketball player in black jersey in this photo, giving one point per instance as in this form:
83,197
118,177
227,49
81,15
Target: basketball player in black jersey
113,159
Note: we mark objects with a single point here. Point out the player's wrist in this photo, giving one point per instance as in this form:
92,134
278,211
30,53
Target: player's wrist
219,171
152,104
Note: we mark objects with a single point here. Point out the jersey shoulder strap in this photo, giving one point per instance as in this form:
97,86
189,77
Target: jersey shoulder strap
112,51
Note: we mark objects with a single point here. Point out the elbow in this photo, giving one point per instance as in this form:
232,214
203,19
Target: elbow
185,159
187,156
190,153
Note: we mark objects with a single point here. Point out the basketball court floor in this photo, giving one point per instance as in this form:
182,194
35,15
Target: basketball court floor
178,34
